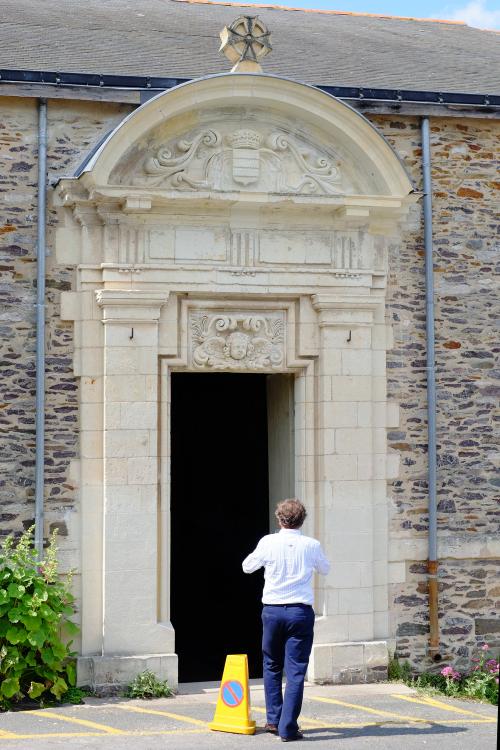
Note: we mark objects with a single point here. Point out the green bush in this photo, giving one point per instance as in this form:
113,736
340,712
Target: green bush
147,685
35,604
397,671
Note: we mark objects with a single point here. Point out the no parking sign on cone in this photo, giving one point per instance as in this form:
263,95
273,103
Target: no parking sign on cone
233,705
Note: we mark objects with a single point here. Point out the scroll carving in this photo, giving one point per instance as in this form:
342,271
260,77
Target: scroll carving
237,341
242,159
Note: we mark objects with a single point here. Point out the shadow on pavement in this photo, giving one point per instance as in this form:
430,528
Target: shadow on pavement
389,729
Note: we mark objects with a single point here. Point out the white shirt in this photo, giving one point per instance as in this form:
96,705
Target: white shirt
289,560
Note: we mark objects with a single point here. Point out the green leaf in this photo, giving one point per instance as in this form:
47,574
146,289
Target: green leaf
71,627
71,671
14,614
37,638
31,659
16,590
59,687
59,649
9,687
15,635
41,592
36,689
31,623
47,612
4,597
48,657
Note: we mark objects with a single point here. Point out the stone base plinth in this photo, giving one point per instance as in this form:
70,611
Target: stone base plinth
107,675
351,662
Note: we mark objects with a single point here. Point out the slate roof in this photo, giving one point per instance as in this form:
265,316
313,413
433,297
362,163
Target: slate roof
180,39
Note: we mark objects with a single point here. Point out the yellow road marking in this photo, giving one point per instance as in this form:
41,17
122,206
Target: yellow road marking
429,701
352,725
4,734
303,719
127,733
162,732
178,717
377,711
42,735
152,732
463,721
413,719
83,722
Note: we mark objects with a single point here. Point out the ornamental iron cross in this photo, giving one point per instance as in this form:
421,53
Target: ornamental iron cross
244,42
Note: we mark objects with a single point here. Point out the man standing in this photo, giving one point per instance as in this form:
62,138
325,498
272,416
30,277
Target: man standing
289,560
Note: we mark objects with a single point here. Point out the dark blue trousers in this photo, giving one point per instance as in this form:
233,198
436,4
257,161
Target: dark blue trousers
286,646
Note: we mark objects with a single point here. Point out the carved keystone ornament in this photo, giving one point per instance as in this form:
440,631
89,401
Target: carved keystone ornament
237,341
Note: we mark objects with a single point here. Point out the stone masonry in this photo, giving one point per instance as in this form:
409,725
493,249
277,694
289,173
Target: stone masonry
465,217
465,183
73,129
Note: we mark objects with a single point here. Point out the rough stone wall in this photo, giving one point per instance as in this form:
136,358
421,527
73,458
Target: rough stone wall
465,222
17,312
73,129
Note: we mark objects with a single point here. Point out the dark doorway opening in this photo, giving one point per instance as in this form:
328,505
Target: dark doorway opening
219,510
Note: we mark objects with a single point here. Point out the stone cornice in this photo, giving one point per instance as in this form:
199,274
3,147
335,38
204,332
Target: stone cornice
345,311
130,304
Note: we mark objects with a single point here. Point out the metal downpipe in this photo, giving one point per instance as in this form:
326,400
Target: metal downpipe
40,327
432,563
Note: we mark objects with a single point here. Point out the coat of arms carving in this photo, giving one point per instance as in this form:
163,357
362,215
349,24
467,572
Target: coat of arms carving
223,159
237,341
246,156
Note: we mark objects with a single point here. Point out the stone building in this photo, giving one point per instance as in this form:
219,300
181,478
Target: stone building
236,312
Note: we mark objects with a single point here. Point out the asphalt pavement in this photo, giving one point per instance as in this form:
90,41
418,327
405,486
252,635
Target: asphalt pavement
385,716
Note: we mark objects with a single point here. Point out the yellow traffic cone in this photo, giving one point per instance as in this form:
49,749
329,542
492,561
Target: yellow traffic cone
233,705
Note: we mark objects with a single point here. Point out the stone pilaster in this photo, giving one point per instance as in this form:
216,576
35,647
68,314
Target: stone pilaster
352,500
129,521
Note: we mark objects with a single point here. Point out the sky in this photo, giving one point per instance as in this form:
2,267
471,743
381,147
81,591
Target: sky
483,14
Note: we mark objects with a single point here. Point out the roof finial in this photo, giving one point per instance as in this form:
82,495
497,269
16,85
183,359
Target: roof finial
244,42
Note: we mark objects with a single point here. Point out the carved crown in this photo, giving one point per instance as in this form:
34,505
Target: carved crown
245,139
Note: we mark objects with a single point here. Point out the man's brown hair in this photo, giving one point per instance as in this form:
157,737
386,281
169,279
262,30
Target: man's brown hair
290,513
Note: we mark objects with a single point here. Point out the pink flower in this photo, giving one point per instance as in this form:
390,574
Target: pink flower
484,647
451,673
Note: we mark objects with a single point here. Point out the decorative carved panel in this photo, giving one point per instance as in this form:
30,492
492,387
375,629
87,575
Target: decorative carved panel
237,341
222,159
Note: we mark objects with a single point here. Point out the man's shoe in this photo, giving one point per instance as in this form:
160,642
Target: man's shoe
272,728
298,736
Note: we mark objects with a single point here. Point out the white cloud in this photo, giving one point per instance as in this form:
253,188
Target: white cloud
475,13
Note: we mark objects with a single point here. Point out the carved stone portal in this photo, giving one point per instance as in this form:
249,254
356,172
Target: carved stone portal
237,341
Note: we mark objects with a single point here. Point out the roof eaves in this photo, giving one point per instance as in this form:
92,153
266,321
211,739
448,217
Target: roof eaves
155,84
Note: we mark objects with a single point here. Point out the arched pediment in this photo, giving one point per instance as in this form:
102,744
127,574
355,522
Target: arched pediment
247,133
